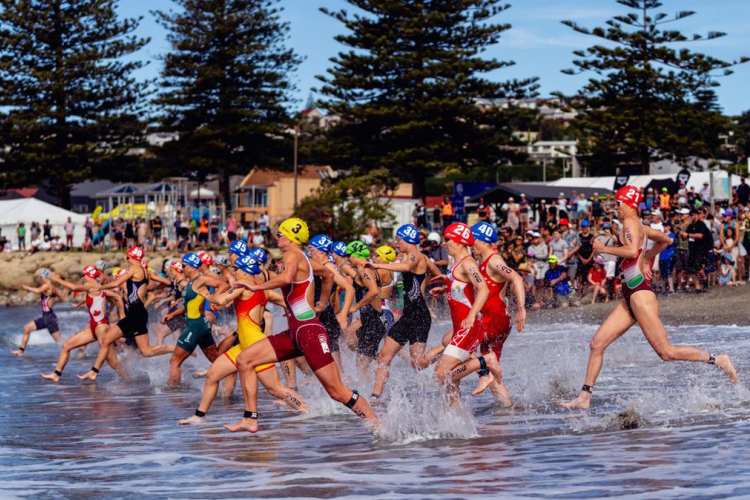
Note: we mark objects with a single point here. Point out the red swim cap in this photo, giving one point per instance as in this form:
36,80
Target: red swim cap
92,272
630,196
135,253
460,233
206,258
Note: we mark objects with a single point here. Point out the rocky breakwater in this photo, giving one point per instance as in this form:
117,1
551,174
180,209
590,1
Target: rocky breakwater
17,270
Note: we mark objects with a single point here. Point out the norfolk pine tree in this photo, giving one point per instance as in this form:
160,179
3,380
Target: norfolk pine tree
648,99
224,86
406,87
72,105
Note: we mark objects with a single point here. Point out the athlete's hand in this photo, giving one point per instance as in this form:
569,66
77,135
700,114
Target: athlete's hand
648,273
437,291
440,277
468,321
165,318
342,319
214,307
319,308
520,319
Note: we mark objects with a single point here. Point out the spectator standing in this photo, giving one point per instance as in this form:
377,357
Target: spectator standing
259,241
447,212
682,250
667,261
609,261
264,223
682,197
213,228
665,203
156,227
89,227
523,211
69,231
130,233
483,211
743,192
513,210
697,235
203,233
34,230
583,208
705,194
231,229
143,233
47,230
585,253
21,231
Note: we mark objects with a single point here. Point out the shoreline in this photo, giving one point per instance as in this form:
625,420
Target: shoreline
726,305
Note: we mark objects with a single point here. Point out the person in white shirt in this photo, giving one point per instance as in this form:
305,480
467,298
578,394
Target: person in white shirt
69,230
657,225
705,193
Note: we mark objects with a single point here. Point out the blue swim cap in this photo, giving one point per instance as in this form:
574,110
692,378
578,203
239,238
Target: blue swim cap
339,248
238,248
192,260
484,232
321,242
408,233
247,265
259,255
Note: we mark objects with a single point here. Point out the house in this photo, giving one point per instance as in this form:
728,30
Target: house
567,151
272,191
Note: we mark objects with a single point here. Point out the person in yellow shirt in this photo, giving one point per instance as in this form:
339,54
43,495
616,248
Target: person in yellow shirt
665,203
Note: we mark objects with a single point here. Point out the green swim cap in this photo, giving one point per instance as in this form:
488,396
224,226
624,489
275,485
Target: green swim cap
357,249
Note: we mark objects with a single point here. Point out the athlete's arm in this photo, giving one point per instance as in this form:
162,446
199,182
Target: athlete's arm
630,237
67,284
482,292
326,285
275,298
224,298
37,291
219,284
661,241
119,303
404,266
499,271
176,312
159,279
119,281
286,277
372,290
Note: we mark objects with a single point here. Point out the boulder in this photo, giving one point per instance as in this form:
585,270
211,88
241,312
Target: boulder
65,266
13,278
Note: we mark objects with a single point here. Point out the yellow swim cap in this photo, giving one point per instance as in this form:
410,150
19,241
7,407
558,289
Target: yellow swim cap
296,230
386,253
116,271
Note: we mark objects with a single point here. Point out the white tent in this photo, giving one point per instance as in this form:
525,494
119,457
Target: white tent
203,193
28,210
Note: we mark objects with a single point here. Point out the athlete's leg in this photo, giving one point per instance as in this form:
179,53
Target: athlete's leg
148,351
617,323
81,338
259,353
271,381
331,379
211,352
57,336
289,368
220,369
27,329
419,360
175,374
382,369
445,366
112,335
646,310
117,366
230,384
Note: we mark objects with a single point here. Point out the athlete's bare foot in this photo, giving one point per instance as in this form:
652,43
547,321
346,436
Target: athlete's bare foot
484,383
89,375
17,352
195,419
246,424
582,402
51,376
724,362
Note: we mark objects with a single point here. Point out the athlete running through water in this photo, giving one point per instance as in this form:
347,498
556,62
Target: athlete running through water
96,305
305,336
198,330
639,304
414,326
135,323
467,294
250,307
48,319
495,321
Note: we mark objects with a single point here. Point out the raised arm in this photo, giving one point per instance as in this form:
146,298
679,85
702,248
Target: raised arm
404,266
67,284
119,281
507,274
632,243
482,292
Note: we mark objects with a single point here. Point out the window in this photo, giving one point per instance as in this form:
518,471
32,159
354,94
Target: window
261,198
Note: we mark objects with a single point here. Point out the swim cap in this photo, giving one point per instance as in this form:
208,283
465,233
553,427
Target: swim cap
176,266
101,265
222,260
386,253
321,242
296,230
259,255
630,196
91,272
206,258
192,260
238,248
339,248
460,233
44,273
248,265
484,232
116,272
358,249
135,253
214,270
408,233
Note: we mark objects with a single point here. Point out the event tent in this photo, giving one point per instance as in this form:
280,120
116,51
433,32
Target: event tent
28,210
535,192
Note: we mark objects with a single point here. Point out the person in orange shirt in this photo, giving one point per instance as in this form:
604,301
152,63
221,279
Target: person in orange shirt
203,233
665,203
446,213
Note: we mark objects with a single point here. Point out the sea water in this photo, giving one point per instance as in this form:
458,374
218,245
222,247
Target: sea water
655,429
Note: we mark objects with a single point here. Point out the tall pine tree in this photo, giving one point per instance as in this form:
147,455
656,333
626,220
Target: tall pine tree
649,97
72,105
407,86
224,87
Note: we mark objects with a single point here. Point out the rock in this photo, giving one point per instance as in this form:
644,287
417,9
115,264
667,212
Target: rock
14,278
29,267
66,266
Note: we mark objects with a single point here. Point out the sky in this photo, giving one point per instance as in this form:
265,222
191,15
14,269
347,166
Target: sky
538,43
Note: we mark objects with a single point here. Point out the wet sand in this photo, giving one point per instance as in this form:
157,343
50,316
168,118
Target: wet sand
722,305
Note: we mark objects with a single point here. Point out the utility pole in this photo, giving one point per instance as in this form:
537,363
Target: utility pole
296,142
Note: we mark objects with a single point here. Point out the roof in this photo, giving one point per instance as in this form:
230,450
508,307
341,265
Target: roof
264,177
534,192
